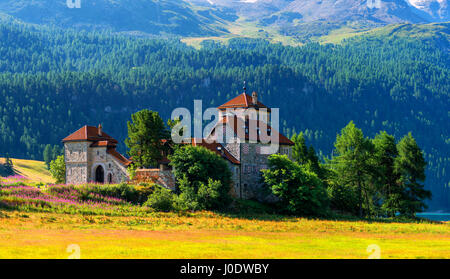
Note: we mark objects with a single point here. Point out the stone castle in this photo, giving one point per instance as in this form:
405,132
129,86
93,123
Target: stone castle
91,154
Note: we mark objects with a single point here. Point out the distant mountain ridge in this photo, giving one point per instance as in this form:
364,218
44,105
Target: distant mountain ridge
437,10
173,17
210,18
387,11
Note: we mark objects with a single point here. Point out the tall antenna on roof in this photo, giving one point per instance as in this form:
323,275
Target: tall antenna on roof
245,88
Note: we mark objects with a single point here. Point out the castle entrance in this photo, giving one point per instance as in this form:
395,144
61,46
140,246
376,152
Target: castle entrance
99,175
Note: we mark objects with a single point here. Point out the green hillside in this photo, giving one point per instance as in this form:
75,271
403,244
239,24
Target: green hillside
32,171
52,82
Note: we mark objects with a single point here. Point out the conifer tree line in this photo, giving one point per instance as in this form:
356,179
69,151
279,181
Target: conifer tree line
365,177
52,82
370,177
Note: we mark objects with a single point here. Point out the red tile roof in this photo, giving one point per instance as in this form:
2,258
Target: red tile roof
90,133
124,161
242,101
103,143
238,122
214,146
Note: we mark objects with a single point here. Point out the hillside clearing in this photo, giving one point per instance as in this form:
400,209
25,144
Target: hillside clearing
35,171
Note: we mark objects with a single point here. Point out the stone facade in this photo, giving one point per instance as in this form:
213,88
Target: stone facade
76,158
163,178
92,158
90,154
82,162
247,176
251,116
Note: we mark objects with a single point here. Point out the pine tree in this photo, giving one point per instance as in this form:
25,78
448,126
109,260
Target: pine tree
56,151
145,133
352,163
47,154
386,178
8,167
300,150
410,166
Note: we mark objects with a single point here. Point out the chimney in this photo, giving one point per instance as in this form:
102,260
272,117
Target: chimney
100,130
255,98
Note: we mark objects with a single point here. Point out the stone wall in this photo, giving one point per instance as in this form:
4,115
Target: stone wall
82,161
76,159
157,176
252,161
118,172
235,178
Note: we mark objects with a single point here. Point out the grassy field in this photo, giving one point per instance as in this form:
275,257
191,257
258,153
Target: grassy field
35,171
44,222
207,235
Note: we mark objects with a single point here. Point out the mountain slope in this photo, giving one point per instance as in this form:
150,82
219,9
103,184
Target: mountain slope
436,10
299,19
381,11
308,20
149,16
55,81
387,11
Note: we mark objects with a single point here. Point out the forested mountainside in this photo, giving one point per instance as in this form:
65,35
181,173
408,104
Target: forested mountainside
290,21
53,81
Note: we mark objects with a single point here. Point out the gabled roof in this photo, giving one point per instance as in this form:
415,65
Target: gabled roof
124,161
99,139
103,143
241,124
90,133
242,101
215,146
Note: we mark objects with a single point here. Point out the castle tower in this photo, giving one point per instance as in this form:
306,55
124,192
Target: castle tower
91,157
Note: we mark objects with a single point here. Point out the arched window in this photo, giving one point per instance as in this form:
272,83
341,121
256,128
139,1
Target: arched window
110,178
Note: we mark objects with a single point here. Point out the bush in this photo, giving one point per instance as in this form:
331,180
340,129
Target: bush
126,192
300,190
161,199
343,199
58,169
204,179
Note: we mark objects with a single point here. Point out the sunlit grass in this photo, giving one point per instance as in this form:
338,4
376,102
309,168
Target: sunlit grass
31,231
35,171
209,235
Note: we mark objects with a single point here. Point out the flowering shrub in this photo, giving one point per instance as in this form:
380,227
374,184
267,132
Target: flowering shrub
66,199
15,179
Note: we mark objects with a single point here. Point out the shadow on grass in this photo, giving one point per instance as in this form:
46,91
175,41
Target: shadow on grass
253,210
